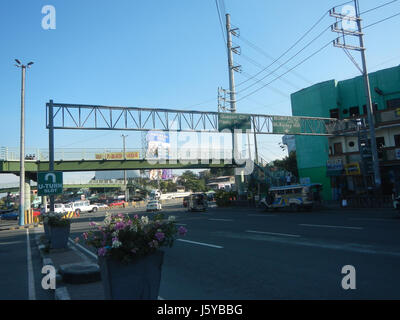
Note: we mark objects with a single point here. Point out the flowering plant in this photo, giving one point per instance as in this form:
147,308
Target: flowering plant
122,238
54,219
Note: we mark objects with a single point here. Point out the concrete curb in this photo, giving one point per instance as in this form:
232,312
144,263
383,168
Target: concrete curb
28,226
60,293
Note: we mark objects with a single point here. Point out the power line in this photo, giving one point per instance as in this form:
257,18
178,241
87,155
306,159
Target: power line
257,48
291,58
378,7
291,47
261,67
372,24
272,88
301,62
220,21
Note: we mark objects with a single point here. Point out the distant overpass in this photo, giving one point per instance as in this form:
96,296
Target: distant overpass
93,184
74,160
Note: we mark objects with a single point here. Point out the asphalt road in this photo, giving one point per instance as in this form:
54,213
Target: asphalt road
243,253
20,266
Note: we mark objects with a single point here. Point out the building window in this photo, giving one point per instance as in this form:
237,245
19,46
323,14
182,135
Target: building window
351,144
394,103
354,111
397,140
337,147
380,144
375,107
334,113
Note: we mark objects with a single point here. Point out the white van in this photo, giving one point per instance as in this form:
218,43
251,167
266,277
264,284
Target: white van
58,208
82,206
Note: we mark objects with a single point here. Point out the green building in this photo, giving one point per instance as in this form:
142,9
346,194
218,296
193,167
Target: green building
346,99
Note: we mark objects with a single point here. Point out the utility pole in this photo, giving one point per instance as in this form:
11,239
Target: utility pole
370,111
231,66
22,145
125,184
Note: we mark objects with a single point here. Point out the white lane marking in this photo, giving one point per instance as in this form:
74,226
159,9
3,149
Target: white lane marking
220,219
326,226
31,278
261,215
371,219
274,233
201,243
83,248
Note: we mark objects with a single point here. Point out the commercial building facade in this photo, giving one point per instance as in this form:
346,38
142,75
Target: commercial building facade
336,161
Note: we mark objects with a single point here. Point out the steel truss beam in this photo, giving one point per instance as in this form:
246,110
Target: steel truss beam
95,117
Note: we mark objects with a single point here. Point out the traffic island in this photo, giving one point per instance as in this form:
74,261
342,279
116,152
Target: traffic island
77,276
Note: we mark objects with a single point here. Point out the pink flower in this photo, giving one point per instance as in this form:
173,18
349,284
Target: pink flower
76,239
92,224
119,225
85,235
136,216
182,231
101,252
160,236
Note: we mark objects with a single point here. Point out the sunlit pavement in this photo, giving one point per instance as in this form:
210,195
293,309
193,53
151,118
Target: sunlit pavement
244,253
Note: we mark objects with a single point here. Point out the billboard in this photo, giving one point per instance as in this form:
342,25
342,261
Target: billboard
130,155
160,174
158,145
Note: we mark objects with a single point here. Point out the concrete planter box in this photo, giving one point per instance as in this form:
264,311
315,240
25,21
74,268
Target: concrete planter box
137,280
59,237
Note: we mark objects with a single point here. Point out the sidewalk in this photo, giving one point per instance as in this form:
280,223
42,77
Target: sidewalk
62,257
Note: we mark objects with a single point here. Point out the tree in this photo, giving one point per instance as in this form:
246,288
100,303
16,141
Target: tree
192,182
289,163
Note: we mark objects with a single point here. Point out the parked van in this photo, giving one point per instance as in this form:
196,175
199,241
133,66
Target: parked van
293,197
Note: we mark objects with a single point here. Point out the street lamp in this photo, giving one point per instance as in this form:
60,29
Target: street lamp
22,145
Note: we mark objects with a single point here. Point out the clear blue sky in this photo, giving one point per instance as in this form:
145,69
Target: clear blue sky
166,54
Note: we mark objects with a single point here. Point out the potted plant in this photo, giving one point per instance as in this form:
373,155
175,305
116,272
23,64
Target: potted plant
129,253
59,230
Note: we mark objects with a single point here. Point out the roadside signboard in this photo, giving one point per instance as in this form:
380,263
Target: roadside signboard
286,125
49,183
234,121
334,167
130,155
352,169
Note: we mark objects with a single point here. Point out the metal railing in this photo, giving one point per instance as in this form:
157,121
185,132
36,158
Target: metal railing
65,154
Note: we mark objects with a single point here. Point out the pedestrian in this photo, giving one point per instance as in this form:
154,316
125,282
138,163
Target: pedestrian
288,179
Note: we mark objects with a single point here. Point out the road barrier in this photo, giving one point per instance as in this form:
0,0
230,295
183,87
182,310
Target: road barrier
28,216
70,215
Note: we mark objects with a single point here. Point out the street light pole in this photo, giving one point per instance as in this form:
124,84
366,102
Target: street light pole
125,185
22,145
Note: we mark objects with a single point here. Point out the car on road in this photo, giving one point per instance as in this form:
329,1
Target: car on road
116,203
293,197
82,206
154,205
197,202
14,215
